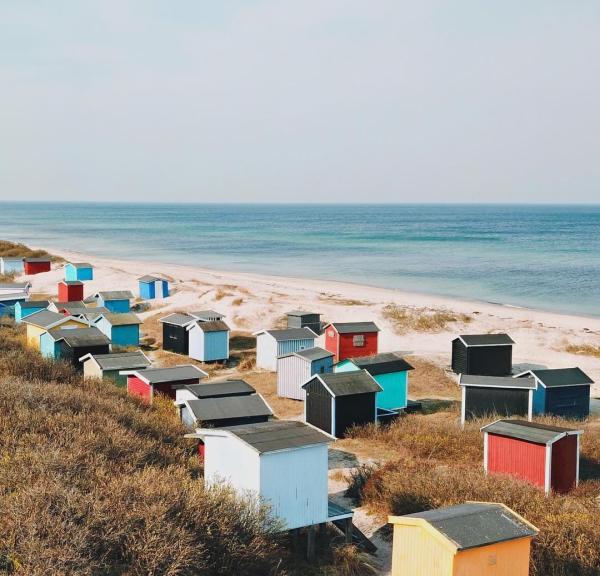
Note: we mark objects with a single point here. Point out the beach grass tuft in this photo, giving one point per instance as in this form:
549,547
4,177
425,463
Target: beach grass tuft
405,319
583,349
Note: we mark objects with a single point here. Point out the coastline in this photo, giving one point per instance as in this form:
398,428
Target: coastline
254,301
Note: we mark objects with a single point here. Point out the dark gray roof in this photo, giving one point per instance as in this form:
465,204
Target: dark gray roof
223,388
475,524
213,326
80,264
348,383
497,381
89,313
15,285
12,258
122,361
486,339
292,334
528,431
14,296
278,435
76,337
123,319
149,278
351,327
301,313
562,377
310,354
35,304
174,374
207,315
210,409
73,305
115,295
177,319
384,363
44,318
71,282
39,259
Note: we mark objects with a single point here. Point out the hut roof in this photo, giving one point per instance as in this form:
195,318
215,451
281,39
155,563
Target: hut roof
177,319
222,388
35,304
207,315
39,259
12,258
496,381
486,339
347,383
221,408
310,354
210,326
45,319
115,295
81,337
79,264
557,377
71,282
384,363
88,313
352,327
13,296
15,285
289,334
148,278
119,360
174,374
124,319
476,524
529,431
301,313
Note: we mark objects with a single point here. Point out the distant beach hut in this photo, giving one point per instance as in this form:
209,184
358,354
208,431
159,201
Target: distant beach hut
175,334
467,539
8,302
561,392
12,265
24,308
82,271
46,320
37,265
304,319
207,315
208,341
15,288
70,290
152,287
502,395
295,368
109,366
482,354
389,370
116,301
546,456
71,345
351,339
270,344
336,402
121,329
146,383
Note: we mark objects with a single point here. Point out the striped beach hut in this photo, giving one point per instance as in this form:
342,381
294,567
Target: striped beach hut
108,366
208,341
122,329
271,344
12,265
295,368
37,265
26,308
82,271
151,287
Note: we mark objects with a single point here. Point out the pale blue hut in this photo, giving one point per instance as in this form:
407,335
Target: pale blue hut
12,265
208,341
81,271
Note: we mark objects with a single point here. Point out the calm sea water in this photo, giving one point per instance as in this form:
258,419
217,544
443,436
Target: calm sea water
546,257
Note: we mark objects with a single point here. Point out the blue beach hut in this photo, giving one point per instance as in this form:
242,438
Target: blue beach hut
208,341
152,287
81,271
122,329
9,301
116,301
12,265
26,308
389,370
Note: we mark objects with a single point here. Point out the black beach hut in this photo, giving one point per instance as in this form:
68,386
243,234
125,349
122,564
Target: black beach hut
304,319
336,401
482,354
175,334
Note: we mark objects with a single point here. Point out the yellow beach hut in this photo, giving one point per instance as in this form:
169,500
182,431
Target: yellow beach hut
472,538
46,320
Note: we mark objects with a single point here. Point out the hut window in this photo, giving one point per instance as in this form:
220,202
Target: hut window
322,370
358,340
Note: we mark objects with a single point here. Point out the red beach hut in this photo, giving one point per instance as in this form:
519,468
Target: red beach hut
351,339
145,383
37,265
70,290
546,456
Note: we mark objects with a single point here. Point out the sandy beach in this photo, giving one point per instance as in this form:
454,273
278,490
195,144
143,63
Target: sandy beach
252,302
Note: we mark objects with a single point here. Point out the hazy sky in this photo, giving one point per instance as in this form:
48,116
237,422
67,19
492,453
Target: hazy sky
307,100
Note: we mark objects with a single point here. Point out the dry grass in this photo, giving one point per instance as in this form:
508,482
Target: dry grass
11,249
266,385
407,319
428,380
237,301
220,293
583,349
333,299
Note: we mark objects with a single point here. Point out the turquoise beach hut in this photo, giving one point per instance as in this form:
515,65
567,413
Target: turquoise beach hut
81,271
122,329
152,287
26,308
9,301
389,370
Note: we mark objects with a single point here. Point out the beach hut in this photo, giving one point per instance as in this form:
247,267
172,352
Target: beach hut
121,329
389,370
502,395
146,383
71,345
281,463
151,287
26,308
295,368
270,344
215,389
482,354
475,538
44,321
116,301
336,402
304,319
70,290
350,339
208,341
82,271
207,315
66,307
175,335
109,366
8,303
37,265
12,265
546,456
13,288
561,392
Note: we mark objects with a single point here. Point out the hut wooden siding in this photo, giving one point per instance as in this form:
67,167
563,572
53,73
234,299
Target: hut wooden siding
37,266
70,291
24,309
137,387
36,328
208,341
81,271
72,355
71,345
175,339
303,319
151,287
294,370
270,344
524,460
119,333
108,367
482,354
145,383
12,266
351,339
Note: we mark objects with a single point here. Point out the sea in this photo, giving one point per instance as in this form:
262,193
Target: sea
537,256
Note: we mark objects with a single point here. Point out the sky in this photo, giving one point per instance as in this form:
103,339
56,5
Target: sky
300,100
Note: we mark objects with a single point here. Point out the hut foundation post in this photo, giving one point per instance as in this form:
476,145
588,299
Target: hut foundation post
348,530
310,548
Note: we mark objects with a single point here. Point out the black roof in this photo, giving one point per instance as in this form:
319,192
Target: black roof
278,435
173,374
347,383
219,389
310,354
351,327
384,363
34,304
476,524
528,431
497,381
486,339
210,409
121,360
556,377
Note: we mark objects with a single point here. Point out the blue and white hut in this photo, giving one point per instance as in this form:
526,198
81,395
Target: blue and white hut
152,287
82,271
26,308
295,368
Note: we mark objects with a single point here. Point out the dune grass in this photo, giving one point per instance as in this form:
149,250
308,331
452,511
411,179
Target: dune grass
583,349
14,250
406,319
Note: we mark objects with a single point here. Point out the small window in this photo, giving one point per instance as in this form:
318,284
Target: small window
322,370
358,340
